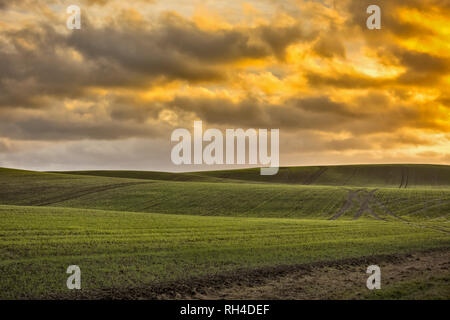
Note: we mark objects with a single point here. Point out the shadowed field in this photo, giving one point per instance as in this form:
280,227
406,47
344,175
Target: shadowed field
389,175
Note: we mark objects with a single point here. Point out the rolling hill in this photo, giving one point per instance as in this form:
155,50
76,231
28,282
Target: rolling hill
386,175
141,234
182,194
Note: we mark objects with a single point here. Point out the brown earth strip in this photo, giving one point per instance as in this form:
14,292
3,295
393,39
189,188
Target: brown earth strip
318,280
346,281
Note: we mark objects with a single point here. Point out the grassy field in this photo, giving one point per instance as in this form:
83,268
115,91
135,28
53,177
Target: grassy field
122,249
389,175
128,230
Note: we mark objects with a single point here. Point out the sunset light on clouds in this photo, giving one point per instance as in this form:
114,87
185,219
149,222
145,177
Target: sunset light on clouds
110,94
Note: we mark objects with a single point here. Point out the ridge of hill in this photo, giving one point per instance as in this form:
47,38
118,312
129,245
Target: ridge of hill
377,175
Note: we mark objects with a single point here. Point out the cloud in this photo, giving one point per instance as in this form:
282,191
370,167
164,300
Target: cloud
5,146
43,62
329,46
393,21
335,89
381,113
66,125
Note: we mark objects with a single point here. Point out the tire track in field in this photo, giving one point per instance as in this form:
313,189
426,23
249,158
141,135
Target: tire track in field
430,202
366,198
84,192
313,177
389,212
428,205
405,178
377,217
347,205
364,203
289,176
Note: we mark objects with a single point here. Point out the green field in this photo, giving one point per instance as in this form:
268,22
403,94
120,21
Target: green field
128,229
389,175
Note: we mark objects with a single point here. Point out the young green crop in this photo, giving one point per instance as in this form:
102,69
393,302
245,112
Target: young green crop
127,249
179,226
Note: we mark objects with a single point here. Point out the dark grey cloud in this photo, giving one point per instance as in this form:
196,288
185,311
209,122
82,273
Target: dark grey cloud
422,68
329,46
279,38
124,118
176,43
41,62
346,80
45,68
4,4
379,114
65,125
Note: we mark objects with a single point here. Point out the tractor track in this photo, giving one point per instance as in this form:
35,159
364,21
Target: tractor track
389,212
377,217
347,205
428,205
365,198
405,178
364,203
84,192
313,177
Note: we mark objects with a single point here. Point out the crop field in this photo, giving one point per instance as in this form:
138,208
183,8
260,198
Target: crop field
390,175
225,234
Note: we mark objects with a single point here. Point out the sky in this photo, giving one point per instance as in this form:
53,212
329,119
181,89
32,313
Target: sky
109,95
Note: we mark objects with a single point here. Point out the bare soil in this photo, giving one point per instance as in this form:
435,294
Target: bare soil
339,279
345,281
